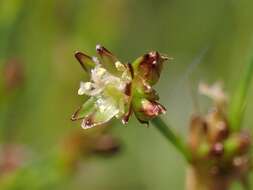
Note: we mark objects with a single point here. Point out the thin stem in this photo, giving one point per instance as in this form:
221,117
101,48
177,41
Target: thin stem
170,135
238,103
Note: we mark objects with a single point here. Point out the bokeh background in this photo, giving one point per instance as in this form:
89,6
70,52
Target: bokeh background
41,148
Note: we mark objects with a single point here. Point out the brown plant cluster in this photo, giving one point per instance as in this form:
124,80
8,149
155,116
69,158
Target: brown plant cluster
219,154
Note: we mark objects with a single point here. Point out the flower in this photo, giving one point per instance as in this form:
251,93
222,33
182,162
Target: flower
215,92
118,90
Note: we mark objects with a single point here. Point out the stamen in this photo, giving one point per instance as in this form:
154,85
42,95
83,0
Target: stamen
120,66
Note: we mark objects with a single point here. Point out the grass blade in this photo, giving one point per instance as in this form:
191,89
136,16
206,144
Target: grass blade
238,103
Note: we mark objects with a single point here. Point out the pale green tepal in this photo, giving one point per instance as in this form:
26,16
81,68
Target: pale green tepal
117,90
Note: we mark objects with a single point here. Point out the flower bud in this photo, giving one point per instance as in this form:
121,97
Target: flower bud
198,132
146,110
149,66
217,126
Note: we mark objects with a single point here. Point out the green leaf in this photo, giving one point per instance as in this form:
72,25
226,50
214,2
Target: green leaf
239,100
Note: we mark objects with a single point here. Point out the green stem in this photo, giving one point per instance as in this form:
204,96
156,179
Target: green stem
238,102
169,134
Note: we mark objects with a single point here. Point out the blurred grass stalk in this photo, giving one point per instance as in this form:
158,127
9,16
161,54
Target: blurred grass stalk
239,100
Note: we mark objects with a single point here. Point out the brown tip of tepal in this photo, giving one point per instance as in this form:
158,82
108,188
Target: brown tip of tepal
78,54
99,47
102,50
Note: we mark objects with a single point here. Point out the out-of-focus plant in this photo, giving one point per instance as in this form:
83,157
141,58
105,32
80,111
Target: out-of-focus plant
11,89
220,155
12,156
22,169
13,75
217,149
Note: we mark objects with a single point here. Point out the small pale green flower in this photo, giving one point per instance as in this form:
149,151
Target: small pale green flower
117,90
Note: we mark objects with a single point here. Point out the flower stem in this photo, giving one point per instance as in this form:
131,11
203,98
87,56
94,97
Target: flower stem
173,138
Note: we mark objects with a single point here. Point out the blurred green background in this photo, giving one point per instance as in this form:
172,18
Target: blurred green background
209,40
